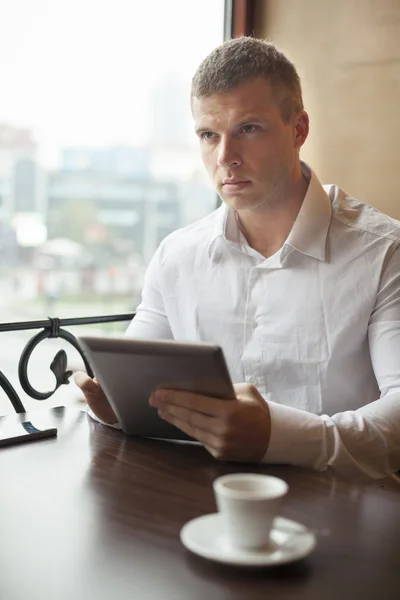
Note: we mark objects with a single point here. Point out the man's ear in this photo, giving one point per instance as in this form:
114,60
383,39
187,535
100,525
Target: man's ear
301,125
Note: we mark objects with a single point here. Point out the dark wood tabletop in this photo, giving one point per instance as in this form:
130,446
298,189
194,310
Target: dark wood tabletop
94,514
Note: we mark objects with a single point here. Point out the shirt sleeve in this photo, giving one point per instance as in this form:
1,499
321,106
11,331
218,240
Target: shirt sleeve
96,418
360,443
151,321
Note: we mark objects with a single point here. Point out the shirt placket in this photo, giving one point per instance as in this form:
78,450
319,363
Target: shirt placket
252,350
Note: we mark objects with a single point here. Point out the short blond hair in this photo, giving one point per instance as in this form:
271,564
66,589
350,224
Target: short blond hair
240,59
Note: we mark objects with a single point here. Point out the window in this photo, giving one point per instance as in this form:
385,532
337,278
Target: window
98,158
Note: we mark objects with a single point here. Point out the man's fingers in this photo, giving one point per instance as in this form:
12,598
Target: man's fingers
205,437
213,407
86,384
192,418
95,397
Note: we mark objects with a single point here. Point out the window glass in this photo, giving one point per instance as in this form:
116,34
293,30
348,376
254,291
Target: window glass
98,157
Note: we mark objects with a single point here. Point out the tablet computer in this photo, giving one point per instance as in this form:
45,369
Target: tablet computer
129,371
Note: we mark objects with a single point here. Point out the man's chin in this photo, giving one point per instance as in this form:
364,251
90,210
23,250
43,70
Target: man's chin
242,203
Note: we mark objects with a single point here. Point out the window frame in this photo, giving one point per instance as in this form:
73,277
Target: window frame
239,18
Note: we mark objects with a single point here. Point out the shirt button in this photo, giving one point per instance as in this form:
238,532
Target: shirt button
254,324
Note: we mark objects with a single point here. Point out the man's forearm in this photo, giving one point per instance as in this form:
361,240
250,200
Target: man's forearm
361,443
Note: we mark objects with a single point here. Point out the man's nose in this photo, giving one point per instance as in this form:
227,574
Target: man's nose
228,155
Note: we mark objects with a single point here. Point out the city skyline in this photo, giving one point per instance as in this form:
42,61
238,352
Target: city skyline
76,80
105,183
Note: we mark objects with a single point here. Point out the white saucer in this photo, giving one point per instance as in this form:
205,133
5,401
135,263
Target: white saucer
205,536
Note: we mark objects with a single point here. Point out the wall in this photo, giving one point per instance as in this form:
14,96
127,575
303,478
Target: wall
347,53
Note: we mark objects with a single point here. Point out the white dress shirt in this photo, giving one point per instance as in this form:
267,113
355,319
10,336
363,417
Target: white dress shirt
315,327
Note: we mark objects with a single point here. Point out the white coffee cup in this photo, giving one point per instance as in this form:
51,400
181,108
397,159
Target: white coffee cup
249,503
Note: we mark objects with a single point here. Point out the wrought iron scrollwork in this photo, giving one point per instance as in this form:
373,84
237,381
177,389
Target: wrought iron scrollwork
12,394
51,329
58,364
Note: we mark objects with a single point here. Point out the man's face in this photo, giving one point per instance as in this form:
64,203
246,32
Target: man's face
248,150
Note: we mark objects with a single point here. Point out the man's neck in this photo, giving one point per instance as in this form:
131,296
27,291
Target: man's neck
267,229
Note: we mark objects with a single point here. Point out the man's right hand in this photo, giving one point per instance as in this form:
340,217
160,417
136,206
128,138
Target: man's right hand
95,397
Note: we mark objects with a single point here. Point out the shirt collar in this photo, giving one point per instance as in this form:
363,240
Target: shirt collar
220,225
310,229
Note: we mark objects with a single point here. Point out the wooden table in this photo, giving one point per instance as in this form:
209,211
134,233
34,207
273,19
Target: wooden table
96,515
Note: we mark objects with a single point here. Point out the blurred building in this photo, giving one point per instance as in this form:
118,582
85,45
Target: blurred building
116,160
125,208
22,200
19,173
175,154
171,120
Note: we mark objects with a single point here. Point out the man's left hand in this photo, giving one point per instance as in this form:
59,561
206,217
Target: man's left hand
235,430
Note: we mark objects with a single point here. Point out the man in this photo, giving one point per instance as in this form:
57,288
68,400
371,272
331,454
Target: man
299,284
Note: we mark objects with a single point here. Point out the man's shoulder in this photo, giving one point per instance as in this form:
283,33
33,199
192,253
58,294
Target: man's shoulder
361,216
193,237
189,245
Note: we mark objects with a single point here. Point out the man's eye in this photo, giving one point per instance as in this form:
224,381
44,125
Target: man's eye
207,135
249,128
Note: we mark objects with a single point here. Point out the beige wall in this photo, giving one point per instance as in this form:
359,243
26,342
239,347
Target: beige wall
347,53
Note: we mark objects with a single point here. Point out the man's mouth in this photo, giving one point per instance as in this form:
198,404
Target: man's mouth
234,185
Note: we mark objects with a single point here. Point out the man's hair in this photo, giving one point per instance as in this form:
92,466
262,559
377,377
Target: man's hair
240,59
